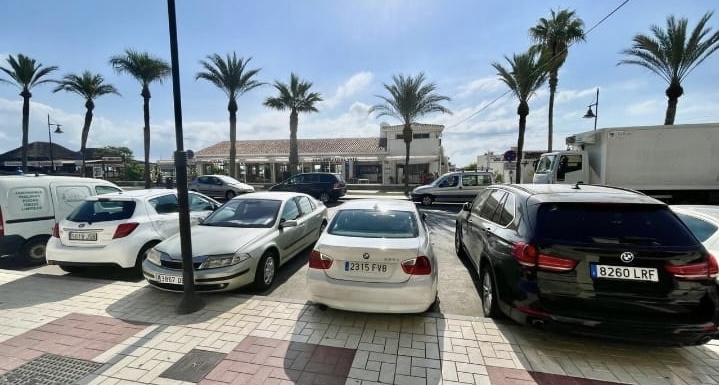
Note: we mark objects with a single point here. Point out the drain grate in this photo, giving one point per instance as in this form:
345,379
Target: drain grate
193,366
49,369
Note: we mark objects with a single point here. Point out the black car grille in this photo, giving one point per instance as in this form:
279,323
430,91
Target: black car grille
177,265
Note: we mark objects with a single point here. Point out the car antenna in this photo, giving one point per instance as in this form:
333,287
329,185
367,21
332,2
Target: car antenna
576,185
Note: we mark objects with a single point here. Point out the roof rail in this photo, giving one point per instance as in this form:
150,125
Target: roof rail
613,187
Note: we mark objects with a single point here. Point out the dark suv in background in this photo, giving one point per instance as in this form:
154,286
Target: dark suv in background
593,260
325,186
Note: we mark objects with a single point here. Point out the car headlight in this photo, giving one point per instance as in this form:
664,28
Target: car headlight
222,260
154,256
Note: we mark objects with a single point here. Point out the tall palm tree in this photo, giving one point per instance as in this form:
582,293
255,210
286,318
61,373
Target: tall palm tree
90,86
410,98
146,69
554,36
673,54
25,73
234,79
295,97
526,73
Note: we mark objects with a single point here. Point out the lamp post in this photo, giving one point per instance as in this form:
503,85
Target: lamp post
590,114
49,137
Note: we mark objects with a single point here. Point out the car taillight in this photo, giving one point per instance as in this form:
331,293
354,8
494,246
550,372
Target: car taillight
56,230
701,270
417,266
125,229
2,225
319,261
528,255
337,186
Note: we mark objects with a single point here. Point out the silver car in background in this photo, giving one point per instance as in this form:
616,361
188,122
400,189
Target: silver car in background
241,243
220,186
375,256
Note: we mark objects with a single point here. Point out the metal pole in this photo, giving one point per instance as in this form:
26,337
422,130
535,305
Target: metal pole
191,302
596,113
49,138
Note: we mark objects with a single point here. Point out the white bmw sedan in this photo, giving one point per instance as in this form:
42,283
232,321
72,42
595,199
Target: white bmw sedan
375,256
241,243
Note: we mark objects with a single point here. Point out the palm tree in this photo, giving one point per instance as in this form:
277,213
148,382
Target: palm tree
146,69
231,76
554,36
25,73
90,86
410,98
526,74
296,98
673,55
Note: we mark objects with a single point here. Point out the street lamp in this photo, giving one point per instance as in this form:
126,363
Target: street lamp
49,136
590,114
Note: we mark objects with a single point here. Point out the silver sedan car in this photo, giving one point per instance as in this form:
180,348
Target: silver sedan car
243,242
375,256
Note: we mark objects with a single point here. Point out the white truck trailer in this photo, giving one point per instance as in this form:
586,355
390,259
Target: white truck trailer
677,164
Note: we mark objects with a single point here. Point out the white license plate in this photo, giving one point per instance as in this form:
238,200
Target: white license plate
172,279
366,268
82,236
627,273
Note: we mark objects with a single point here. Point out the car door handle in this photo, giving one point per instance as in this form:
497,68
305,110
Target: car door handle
487,230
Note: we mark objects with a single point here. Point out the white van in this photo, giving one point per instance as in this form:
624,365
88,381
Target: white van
31,204
457,187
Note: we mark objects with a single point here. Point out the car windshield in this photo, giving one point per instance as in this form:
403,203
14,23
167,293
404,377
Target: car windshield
620,224
228,179
102,211
544,165
245,213
374,224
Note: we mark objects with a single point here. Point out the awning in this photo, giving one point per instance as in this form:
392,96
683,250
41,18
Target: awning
412,157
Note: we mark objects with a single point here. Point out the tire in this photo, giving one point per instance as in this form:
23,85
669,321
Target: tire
141,255
33,251
322,228
490,308
72,269
266,270
458,247
229,195
427,200
325,197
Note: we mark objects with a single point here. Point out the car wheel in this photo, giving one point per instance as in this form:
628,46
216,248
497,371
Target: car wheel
72,269
458,247
33,252
266,269
229,195
325,197
489,293
142,255
427,200
322,228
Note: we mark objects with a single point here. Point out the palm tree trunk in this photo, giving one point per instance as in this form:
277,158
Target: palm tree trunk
294,151
550,122
90,106
522,111
407,135
26,95
146,132
671,111
232,109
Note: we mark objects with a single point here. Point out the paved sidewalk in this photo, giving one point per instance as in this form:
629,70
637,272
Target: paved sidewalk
58,329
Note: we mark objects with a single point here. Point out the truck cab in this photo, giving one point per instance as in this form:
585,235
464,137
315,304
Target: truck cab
566,167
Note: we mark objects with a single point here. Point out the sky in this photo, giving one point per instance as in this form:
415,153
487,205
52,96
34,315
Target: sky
348,50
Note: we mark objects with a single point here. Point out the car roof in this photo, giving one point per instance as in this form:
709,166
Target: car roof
135,194
275,195
582,193
372,203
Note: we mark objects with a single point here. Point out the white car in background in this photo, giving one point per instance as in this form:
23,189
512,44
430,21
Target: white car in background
118,229
703,221
375,256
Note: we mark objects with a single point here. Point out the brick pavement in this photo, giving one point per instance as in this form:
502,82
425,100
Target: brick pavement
133,331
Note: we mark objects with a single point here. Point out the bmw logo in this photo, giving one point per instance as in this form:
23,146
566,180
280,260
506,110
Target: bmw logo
627,257
365,256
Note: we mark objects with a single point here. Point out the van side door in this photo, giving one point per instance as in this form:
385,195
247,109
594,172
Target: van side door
66,197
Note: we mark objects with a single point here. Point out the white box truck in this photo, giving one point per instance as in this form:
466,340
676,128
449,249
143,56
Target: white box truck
677,164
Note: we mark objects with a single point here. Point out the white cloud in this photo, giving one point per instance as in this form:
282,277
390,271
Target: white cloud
487,84
352,86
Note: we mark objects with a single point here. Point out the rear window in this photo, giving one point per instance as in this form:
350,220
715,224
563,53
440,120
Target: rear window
102,211
374,224
648,225
701,229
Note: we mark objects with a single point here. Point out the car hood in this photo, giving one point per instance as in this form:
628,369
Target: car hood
213,240
421,189
241,186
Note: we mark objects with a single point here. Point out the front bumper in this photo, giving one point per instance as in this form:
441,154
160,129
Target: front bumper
206,280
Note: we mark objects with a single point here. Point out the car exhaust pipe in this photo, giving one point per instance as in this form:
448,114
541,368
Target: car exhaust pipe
537,323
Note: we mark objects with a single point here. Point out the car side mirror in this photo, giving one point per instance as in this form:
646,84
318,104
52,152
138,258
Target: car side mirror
467,206
287,223
424,216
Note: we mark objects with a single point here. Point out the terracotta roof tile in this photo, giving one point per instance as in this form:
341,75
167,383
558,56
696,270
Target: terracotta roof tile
279,147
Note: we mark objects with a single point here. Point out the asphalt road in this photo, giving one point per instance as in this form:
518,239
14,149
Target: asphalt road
458,283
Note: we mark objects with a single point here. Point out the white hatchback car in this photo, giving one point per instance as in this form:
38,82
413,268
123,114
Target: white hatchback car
117,229
703,221
375,256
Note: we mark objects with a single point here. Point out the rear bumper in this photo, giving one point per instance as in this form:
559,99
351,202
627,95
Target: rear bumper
413,296
119,254
10,245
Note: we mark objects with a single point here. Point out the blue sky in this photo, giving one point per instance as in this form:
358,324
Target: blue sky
348,49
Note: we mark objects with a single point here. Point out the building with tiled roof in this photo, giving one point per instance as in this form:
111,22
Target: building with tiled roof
361,160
